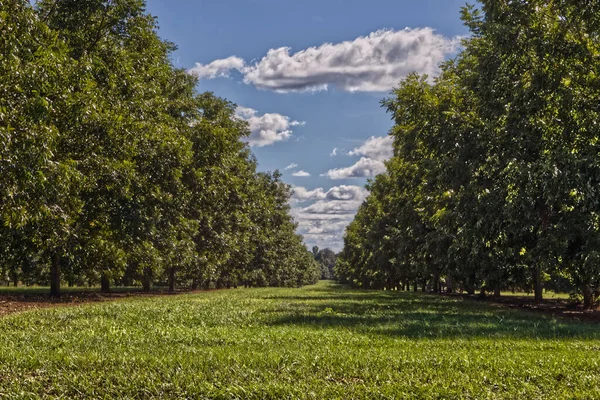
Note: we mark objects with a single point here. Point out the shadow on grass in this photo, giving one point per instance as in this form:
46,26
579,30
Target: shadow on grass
417,315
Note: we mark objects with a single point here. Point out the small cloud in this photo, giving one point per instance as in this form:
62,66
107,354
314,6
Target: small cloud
291,166
217,68
301,194
268,128
301,173
376,148
364,168
347,193
334,152
342,192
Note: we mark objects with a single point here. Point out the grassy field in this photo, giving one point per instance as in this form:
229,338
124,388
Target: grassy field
322,342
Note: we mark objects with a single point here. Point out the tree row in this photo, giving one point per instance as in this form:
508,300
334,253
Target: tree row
495,179
113,170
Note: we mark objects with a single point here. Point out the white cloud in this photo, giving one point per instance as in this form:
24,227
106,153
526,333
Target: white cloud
301,173
376,148
364,168
343,192
302,194
347,192
267,128
217,68
374,152
372,63
333,152
291,166
323,222
332,207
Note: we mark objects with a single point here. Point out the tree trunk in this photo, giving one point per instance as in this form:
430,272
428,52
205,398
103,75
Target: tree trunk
172,279
588,297
436,283
55,275
147,279
424,286
471,285
497,291
449,285
127,279
16,280
537,284
415,288
104,283
194,284
482,292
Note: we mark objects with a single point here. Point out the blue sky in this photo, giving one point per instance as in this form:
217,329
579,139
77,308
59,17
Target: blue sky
308,76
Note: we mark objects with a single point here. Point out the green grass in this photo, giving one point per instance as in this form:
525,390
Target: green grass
547,295
322,342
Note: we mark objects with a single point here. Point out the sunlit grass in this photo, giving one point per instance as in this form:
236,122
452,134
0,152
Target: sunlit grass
323,341
547,295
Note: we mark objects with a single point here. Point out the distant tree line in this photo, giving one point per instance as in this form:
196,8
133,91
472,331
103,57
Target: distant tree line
326,259
495,179
113,170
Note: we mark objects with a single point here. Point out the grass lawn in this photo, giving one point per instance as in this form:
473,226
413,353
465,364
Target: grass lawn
323,341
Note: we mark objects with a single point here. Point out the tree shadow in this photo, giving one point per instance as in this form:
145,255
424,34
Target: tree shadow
418,315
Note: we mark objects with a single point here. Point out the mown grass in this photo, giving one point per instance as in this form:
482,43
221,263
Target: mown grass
323,341
547,295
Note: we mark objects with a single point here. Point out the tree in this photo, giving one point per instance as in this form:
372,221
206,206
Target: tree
494,174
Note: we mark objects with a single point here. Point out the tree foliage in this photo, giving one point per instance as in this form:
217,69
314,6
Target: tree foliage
113,170
494,180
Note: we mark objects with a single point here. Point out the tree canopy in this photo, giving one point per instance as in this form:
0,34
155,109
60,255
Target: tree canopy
114,170
494,180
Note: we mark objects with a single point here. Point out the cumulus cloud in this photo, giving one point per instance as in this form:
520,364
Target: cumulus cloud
333,152
347,193
372,63
376,148
217,68
302,194
342,192
323,230
331,207
267,128
374,152
301,173
291,166
364,168
322,223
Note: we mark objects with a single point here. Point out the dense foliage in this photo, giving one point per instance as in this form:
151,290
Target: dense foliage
114,170
495,179
326,259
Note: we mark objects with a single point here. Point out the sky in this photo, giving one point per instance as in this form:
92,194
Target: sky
309,76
